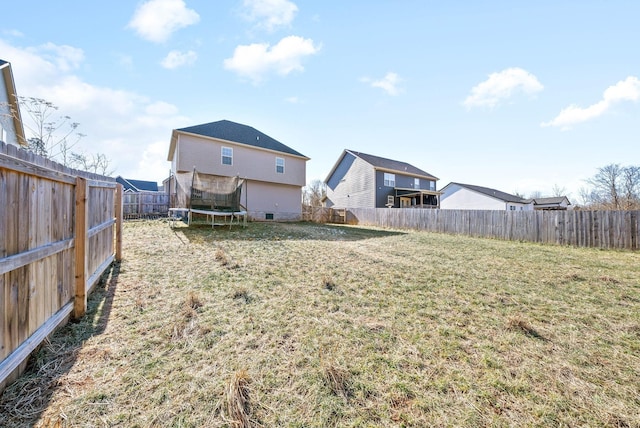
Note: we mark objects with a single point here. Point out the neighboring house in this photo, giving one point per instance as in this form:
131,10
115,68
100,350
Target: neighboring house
555,203
458,196
11,128
273,173
359,180
137,185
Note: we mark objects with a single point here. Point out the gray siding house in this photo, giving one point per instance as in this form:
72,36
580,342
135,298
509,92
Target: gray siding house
273,173
11,129
360,180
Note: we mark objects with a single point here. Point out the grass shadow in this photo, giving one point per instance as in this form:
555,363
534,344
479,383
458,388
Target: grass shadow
23,402
273,231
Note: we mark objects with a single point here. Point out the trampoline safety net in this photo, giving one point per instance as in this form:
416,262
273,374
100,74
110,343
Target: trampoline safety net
208,192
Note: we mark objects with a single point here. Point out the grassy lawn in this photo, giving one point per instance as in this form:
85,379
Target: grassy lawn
305,325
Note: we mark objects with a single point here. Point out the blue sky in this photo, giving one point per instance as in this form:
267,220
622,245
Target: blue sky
518,96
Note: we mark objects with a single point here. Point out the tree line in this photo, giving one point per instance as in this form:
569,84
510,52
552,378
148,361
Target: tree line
613,187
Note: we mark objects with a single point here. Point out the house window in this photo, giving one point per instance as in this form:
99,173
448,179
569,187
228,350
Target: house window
416,183
280,165
512,208
227,156
432,185
389,180
390,201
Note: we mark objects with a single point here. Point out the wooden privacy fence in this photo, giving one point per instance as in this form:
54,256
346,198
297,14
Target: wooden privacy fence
599,229
323,215
60,229
145,204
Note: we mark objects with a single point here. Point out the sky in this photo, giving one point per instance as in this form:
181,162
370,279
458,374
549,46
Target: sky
520,96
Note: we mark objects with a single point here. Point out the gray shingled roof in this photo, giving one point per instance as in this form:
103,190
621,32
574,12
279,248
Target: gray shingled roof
238,133
391,164
507,197
551,200
140,185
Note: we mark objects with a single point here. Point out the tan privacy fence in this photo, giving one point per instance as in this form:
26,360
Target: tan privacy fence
581,228
145,205
60,229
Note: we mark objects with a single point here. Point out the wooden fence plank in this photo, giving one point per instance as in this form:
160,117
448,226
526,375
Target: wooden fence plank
119,218
81,214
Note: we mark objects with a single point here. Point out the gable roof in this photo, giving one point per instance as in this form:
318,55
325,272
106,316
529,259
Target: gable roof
556,200
384,164
235,133
137,185
12,96
507,197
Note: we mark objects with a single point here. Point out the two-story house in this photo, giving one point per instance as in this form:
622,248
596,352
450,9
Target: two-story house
273,173
11,129
360,180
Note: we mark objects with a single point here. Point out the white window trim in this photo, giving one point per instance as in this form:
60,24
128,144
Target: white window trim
389,179
283,165
222,155
416,183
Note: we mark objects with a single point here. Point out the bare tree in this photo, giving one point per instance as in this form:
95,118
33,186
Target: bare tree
535,194
630,187
614,187
557,191
313,194
97,163
51,136
606,185
54,137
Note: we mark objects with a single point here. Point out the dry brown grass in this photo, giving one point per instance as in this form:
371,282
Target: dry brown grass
236,407
343,326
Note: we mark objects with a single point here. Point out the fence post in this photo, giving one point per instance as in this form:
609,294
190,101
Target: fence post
81,224
119,214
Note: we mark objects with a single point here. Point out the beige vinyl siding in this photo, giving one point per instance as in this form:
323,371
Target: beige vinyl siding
357,189
248,162
283,201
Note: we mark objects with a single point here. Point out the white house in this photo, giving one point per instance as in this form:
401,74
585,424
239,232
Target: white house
458,196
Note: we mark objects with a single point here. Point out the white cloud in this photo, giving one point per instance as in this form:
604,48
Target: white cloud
175,59
156,20
256,60
271,14
501,86
389,83
12,33
67,58
132,130
624,90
